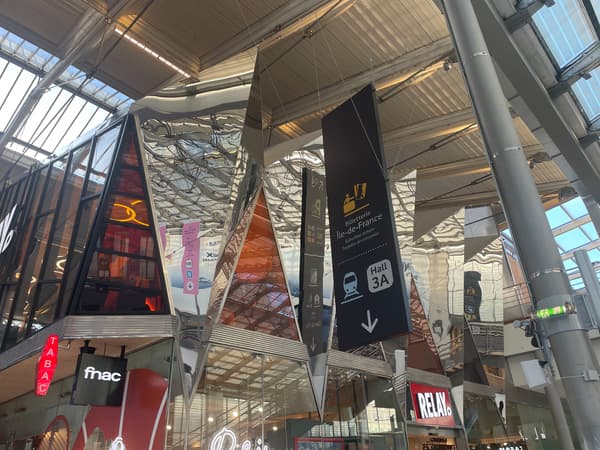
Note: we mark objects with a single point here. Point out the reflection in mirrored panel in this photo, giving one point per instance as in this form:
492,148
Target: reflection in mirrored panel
283,190
402,193
437,261
483,305
194,155
258,298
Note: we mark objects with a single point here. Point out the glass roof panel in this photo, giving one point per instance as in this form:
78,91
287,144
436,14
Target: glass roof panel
69,108
569,264
566,29
590,230
588,94
575,208
557,217
572,239
577,283
594,255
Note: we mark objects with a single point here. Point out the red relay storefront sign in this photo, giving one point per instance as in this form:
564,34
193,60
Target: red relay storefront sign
46,365
432,405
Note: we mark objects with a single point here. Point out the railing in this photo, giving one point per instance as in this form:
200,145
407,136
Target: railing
517,302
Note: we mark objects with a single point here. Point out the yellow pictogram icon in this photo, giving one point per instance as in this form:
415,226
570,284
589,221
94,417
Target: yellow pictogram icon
356,202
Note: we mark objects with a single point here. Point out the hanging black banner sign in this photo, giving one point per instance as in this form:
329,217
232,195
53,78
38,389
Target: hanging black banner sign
99,380
311,260
370,293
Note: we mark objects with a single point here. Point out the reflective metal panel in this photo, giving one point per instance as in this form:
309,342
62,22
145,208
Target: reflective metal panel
438,258
483,303
195,161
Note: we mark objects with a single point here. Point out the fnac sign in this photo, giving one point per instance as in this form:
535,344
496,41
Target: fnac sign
46,365
432,405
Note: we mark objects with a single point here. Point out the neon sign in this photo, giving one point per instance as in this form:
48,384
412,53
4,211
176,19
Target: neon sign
6,235
227,440
46,365
130,214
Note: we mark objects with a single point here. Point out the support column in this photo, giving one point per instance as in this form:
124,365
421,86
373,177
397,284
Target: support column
535,243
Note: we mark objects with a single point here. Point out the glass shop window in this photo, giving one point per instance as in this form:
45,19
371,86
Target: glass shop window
266,401
123,274
104,149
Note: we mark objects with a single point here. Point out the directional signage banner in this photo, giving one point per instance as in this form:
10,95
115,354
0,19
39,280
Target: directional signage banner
370,294
311,260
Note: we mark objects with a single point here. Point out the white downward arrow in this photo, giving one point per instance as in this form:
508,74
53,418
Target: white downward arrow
313,346
369,326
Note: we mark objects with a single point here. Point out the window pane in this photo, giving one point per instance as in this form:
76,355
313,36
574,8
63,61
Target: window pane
59,242
130,240
30,274
128,210
130,182
103,155
46,306
8,293
566,29
572,239
87,213
52,191
575,208
590,230
103,299
557,217
588,94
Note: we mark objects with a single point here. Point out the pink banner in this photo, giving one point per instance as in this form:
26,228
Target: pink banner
191,256
162,229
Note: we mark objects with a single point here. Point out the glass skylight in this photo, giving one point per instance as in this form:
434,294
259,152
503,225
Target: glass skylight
577,231
588,94
575,208
572,239
72,106
557,217
566,29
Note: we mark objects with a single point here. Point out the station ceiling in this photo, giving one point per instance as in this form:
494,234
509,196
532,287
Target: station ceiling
314,54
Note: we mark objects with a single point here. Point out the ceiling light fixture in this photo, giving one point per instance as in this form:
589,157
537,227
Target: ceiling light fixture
152,53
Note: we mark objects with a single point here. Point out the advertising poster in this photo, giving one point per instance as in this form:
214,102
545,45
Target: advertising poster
370,292
191,251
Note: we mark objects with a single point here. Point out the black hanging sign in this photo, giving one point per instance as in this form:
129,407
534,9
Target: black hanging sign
311,260
99,380
370,293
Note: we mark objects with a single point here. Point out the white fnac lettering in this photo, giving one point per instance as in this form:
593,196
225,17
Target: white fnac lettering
90,373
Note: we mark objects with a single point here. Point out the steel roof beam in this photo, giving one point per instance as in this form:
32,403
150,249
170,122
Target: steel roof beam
88,29
432,128
485,198
386,73
524,14
536,100
292,17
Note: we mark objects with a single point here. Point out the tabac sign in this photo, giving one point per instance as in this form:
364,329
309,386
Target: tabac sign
46,365
432,405
370,293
